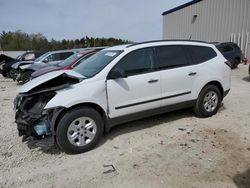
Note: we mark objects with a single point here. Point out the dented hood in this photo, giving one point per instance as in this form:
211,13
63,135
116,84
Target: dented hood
51,80
20,63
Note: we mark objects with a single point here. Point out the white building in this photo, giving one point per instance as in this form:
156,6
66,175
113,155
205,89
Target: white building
210,20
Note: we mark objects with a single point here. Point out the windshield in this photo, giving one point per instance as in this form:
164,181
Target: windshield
42,56
18,57
91,66
69,60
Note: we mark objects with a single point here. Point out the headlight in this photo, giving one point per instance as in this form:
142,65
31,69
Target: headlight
1,66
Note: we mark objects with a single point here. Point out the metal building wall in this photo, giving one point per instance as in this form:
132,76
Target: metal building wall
217,21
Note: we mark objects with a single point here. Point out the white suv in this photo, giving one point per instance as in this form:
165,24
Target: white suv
121,84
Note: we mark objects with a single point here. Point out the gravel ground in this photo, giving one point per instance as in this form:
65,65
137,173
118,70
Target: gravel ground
171,150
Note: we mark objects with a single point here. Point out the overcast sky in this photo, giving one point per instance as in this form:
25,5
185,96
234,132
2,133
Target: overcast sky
135,20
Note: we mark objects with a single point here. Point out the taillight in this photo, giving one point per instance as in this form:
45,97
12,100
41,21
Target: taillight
228,64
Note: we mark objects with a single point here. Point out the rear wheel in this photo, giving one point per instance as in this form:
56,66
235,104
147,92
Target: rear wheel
79,130
208,102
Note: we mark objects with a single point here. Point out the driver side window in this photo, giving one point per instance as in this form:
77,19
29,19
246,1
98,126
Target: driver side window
137,62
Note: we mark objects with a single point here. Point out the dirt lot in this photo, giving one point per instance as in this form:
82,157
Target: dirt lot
170,150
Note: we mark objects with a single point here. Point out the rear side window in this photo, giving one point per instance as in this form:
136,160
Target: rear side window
171,56
137,62
65,55
201,54
53,57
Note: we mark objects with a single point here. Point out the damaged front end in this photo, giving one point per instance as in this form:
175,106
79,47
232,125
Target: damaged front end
31,117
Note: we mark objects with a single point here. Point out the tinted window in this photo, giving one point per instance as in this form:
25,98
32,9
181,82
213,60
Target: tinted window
53,57
171,56
201,54
65,55
137,62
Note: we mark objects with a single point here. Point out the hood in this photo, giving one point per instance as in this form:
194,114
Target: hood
16,65
5,58
34,66
44,71
51,81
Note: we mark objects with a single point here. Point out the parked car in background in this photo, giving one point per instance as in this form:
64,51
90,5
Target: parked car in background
231,52
121,84
29,56
50,58
67,64
3,60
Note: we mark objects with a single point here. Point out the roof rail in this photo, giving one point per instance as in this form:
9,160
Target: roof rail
155,41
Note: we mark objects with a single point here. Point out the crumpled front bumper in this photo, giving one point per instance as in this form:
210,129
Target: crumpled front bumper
31,118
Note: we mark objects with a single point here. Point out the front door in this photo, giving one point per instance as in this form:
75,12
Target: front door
140,91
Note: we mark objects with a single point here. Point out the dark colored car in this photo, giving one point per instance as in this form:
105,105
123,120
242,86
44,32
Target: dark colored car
6,69
67,64
231,52
3,60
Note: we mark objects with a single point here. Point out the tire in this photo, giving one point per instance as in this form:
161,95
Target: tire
4,74
208,102
72,133
26,76
12,73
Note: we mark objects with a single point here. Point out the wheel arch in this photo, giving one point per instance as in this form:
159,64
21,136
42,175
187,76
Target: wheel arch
95,106
217,84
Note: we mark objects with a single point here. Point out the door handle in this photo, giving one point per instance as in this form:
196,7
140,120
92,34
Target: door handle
153,81
192,73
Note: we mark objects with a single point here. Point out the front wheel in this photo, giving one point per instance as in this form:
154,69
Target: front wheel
208,102
25,77
79,130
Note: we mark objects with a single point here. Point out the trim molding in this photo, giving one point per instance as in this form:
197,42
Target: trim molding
153,100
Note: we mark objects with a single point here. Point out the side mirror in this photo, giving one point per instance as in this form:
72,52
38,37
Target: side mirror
117,73
45,60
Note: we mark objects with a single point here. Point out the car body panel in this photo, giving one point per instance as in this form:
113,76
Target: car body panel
128,95
44,78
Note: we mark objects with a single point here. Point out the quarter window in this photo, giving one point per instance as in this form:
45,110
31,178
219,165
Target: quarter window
137,62
171,56
201,54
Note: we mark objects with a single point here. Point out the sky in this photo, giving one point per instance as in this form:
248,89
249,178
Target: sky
134,20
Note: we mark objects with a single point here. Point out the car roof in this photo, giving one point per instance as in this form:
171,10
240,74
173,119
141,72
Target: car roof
160,43
117,48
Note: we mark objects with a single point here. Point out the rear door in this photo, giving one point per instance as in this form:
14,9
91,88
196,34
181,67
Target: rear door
176,73
140,91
